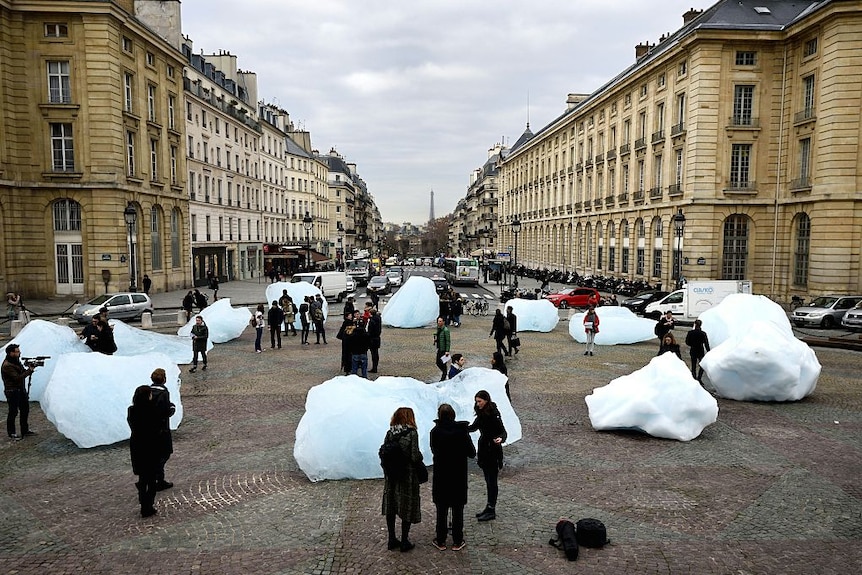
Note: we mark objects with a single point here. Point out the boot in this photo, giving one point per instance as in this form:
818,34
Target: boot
484,511
394,543
488,515
406,545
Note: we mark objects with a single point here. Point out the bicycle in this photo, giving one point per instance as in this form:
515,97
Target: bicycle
478,307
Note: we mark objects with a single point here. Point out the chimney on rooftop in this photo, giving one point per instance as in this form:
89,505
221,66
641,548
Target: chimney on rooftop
643,49
690,15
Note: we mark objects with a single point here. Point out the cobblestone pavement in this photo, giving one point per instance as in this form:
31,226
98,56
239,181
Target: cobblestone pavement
769,488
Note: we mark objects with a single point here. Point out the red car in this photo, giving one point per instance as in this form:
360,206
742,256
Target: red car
575,297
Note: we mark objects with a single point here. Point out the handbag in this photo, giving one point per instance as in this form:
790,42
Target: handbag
421,473
516,342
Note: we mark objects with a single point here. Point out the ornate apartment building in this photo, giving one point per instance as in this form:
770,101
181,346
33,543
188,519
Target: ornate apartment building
91,133
473,229
355,217
745,122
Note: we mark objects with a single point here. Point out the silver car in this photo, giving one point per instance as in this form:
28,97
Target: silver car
825,311
395,275
120,306
853,318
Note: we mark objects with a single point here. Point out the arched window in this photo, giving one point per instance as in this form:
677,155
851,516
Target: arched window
588,232
612,248
657,234
641,246
67,216
624,232
801,250
600,246
734,247
175,238
68,247
155,238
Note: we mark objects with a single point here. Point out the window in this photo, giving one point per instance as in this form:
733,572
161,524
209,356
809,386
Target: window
746,58
59,86
169,70
810,48
805,159
657,173
128,92
743,105
130,152
151,103
800,254
173,165
156,238
682,69
643,91
808,95
172,105
740,167
657,247
154,160
735,247
194,226
189,111
661,81
62,149
127,45
67,216
641,175
678,166
54,30
639,264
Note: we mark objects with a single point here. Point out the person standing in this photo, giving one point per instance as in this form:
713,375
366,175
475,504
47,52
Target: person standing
663,326
105,338
443,343
445,310
289,309
451,446
90,334
401,494
492,434
13,305
304,319
512,334
374,327
144,446
17,395
357,340
200,300
349,307
274,317
319,321
499,331
200,337
344,333
669,344
698,344
189,305
165,409
214,287
258,328
591,328
498,363
148,283
375,299
457,365
456,308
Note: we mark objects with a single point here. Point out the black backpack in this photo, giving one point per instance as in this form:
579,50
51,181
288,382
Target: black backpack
592,533
393,460
566,539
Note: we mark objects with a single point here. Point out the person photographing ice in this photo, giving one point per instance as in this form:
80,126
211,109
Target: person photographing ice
17,395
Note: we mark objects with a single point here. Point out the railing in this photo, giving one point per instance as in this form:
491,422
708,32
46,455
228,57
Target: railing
639,196
609,201
677,129
600,159
588,163
674,190
597,203
800,183
743,121
625,149
579,167
640,144
657,136
804,116
655,193
623,199
611,155
578,206
737,186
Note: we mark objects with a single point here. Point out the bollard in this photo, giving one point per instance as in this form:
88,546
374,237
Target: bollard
16,325
181,317
146,320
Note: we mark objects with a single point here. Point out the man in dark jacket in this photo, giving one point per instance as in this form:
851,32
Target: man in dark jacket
375,331
358,345
274,318
663,326
164,410
698,344
451,446
304,319
17,396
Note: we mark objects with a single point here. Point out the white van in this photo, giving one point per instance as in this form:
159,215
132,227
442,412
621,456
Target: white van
333,285
695,298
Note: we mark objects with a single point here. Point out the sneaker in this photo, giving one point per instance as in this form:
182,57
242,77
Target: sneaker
204,368
192,370
439,546
459,546
591,354
162,485
488,516
586,353
15,437
406,546
28,433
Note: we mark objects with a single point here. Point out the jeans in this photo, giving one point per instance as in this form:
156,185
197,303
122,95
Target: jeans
203,353
257,339
305,327
491,484
375,357
19,402
360,361
275,332
457,523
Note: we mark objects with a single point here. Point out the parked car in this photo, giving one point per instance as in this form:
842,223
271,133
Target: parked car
126,305
379,285
440,284
638,303
575,297
351,285
395,275
825,311
853,318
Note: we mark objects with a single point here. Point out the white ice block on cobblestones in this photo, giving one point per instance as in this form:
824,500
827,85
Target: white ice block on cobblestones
297,292
133,341
224,322
737,312
762,364
346,418
88,396
415,304
617,325
534,315
661,399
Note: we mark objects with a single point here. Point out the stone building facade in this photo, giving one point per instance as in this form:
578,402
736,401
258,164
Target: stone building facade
745,122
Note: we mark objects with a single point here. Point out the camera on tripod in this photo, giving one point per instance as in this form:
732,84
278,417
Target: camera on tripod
33,362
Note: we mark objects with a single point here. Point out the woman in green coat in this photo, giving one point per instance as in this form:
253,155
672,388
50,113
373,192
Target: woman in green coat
401,494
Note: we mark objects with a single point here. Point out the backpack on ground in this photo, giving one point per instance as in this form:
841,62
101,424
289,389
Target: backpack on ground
591,533
393,460
566,539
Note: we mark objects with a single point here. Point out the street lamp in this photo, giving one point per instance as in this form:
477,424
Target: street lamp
679,229
340,251
307,223
131,215
516,229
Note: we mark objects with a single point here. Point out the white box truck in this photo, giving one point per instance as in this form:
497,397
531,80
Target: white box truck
333,285
695,298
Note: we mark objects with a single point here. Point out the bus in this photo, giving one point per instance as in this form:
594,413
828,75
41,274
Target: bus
461,271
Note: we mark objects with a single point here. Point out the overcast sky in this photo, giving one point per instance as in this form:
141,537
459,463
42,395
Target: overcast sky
415,92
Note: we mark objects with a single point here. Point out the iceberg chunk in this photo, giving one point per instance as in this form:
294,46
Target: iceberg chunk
224,322
617,325
415,304
534,315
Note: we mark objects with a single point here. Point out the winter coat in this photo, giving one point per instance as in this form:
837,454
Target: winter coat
164,409
145,439
443,339
673,348
202,333
375,330
358,341
401,497
105,342
489,422
698,341
513,322
593,320
498,327
275,317
451,446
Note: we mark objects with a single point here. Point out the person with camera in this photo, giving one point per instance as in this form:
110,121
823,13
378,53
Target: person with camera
17,397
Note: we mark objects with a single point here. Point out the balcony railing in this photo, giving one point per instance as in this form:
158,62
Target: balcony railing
677,130
657,136
597,203
739,186
611,155
609,201
655,193
588,163
579,167
744,121
640,144
578,206
623,199
625,149
674,190
803,183
600,159
805,115
639,196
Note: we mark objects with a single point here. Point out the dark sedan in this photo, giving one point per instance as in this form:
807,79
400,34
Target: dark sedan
639,302
379,284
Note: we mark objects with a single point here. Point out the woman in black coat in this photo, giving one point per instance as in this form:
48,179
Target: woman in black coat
492,434
451,446
144,446
401,494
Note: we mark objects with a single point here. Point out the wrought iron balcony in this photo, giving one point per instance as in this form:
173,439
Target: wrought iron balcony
640,144
677,129
625,149
674,190
743,121
806,115
657,137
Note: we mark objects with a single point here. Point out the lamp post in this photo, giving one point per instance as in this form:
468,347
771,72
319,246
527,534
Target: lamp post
679,229
130,214
516,229
340,251
307,223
